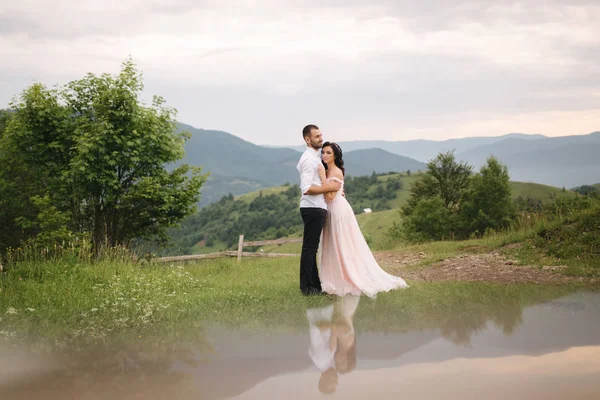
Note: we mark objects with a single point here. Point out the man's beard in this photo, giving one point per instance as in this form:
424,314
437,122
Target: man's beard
316,146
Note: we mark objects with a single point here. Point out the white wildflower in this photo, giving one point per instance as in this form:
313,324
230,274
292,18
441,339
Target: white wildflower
11,310
94,310
30,309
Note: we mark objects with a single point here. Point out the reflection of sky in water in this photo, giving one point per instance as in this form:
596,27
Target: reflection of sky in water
572,373
512,348
550,350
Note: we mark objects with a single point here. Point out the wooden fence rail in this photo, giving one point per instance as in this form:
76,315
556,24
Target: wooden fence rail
242,244
239,253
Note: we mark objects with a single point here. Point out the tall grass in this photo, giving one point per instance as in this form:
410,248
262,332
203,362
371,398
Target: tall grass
567,233
66,304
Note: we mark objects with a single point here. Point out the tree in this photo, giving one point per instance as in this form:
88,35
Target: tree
488,203
430,220
585,190
98,155
373,179
448,202
5,117
446,178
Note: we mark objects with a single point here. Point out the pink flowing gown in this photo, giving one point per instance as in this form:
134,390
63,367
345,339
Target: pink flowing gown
347,265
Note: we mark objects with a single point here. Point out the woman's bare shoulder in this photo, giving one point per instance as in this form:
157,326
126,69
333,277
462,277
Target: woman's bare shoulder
336,173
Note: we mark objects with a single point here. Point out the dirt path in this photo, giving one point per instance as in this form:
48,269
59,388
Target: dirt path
486,267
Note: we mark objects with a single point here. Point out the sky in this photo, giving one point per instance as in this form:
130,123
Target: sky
389,70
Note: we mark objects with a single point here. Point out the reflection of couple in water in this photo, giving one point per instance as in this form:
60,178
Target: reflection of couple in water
332,341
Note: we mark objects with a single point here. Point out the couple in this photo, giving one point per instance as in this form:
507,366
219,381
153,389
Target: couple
332,340
346,265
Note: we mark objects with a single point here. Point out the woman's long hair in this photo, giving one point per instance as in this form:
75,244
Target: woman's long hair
337,154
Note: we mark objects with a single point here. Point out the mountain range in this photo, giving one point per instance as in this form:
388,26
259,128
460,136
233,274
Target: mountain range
238,166
557,161
425,150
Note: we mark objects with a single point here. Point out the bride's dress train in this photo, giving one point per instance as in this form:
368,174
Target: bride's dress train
347,265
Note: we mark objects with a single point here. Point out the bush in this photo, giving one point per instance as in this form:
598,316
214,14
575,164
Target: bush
430,220
578,237
487,203
447,202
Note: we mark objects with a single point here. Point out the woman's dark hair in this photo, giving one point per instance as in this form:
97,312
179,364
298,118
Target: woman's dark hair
337,154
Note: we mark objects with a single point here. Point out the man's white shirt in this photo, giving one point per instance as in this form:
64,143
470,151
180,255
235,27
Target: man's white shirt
308,167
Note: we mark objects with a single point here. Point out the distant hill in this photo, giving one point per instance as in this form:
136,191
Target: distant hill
238,166
538,191
226,155
559,161
593,190
515,147
364,162
425,150
563,161
217,186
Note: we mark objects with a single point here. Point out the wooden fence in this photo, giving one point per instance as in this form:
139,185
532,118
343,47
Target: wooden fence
239,253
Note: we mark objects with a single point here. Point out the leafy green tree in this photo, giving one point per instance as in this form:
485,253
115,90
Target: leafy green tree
488,203
430,220
393,184
586,190
445,178
4,120
50,223
94,151
448,202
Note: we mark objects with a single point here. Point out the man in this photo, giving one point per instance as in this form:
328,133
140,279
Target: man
313,208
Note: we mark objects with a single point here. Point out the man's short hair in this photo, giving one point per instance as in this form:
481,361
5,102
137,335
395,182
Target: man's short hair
308,129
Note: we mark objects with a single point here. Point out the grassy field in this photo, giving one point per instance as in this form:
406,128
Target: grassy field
572,243
519,189
374,227
216,247
66,304
248,197
538,191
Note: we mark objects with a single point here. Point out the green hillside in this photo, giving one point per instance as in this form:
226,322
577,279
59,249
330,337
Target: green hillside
538,191
519,189
273,213
364,162
249,197
237,166
374,227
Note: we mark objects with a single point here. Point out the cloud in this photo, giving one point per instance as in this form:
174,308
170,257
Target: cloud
364,62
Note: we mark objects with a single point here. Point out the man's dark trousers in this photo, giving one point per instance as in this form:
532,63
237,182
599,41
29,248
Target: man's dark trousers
314,220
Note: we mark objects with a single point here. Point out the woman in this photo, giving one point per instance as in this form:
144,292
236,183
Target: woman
332,340
347,265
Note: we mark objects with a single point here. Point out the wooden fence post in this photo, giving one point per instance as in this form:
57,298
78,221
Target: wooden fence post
240,247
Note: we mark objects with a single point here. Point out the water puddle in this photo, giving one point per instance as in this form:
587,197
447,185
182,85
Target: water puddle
549,350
